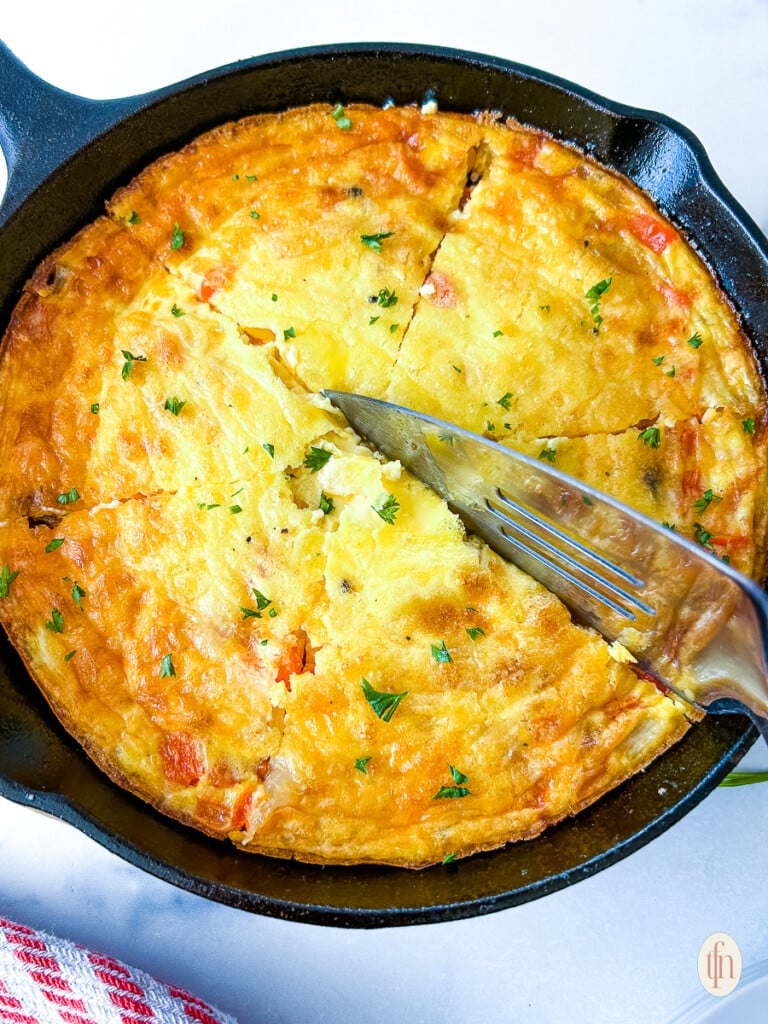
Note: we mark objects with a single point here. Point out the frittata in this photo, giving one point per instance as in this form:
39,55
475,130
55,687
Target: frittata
268,631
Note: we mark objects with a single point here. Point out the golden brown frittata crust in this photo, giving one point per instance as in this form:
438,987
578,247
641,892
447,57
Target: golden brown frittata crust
250,620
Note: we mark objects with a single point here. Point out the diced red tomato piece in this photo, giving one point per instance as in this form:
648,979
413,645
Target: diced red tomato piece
291,663
652,232
731,542
183,758
215,279
241,812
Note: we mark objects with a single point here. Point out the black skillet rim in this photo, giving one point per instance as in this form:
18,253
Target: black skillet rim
46,766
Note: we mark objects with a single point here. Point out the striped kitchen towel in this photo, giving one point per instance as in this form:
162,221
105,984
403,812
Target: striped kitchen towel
48,980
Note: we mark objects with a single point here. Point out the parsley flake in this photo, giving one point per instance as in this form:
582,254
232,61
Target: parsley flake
175,405
176,311
702,536
251,177
54,544
362,764
6,579
658,360
56,622
234,510
386,298
316,458
669,526
69,496
695,340
269,449
393,328
134,218
453,792
383,704
177,238
341,118
166,667
504,400
748,426
289,333
670,373
388,509
498,334
548,454
255,214
77,595
373,320
650,436
594,295
449,858
441,653
95,408
326,504
69,655
374,241
274,297
703,503
473,632
130,359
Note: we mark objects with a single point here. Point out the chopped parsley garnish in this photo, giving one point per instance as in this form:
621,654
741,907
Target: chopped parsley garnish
504,400
6,579
490,427
166,667
393,328
177,238
668,526
53,544
670,373
316,458
134,218
456,368
234,510
274,297
441,653
326,504
69,655
388,509
702,536
593,296
235,177
56,622
175,405
587,500
748,426
498,334
255,214
130,359
650,436
262,604
548,454
695,340
545,309
456,791
373,320
703,503
374,241
383,704
386,298
95,408
69,496
449,858
251,177
658,360
289,333
269,449
176,311
473,632
447,437
77,595
341,118
362,764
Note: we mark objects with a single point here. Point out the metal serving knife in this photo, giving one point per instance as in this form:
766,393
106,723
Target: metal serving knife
688,618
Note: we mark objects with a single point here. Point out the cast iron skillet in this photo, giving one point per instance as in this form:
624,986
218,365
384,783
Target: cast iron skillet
66,155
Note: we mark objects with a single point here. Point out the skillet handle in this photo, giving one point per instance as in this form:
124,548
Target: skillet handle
41,126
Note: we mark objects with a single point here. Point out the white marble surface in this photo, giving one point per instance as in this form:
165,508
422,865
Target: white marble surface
620,946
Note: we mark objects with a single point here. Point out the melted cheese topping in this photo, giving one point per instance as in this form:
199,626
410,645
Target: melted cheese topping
249,619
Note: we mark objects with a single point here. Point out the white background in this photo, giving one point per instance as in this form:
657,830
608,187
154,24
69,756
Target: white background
618,947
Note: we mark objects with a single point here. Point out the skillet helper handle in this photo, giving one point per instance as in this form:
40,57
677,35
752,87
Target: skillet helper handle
42,126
